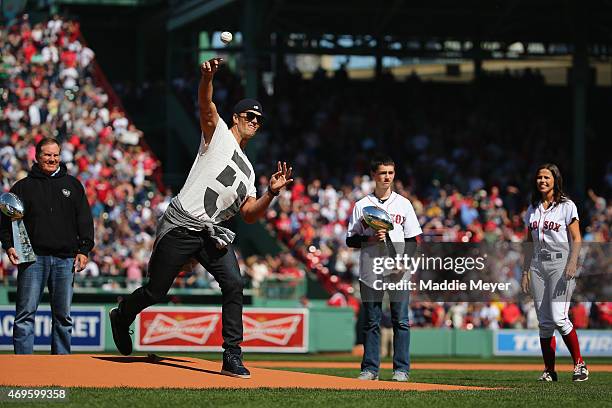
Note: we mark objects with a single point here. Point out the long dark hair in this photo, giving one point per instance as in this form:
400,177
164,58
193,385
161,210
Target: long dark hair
559,195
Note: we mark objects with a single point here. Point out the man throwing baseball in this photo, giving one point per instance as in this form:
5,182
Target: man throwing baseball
221,183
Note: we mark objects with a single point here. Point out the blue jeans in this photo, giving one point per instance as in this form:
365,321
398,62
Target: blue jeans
401,331
31,280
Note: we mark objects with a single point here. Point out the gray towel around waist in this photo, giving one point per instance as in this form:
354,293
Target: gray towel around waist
176,216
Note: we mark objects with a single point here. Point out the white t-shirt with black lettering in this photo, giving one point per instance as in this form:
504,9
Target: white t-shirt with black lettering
220,179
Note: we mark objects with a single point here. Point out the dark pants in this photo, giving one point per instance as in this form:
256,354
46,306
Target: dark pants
173,251
372,304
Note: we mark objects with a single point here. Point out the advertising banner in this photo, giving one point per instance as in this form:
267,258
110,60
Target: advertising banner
199,329
87,328
593,343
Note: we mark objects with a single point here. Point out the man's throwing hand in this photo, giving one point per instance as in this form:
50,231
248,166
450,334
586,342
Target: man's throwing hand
208,68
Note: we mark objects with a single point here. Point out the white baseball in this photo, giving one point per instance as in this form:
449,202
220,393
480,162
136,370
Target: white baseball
226,37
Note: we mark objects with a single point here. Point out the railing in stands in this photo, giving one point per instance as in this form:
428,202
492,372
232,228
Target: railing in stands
271,287
310,258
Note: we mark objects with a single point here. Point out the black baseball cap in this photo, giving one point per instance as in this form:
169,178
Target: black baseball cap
248,104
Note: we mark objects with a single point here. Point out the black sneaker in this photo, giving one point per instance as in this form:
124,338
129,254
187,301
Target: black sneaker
581,373
232,366
121,333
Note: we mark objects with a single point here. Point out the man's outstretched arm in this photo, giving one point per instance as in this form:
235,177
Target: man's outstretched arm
208,111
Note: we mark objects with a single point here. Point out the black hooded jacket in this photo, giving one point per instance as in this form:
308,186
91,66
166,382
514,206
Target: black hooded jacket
57,215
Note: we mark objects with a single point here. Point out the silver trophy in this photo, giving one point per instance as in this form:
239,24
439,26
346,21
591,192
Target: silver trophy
377,219
12,207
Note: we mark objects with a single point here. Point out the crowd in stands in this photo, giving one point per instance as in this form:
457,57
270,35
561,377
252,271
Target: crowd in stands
463,157
506,315
311,215
48,90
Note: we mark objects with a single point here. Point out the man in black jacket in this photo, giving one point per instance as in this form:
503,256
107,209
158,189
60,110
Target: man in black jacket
60,226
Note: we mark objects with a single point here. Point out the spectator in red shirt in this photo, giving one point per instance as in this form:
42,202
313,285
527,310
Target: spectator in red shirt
298,190
605,313
28,51
68,58
511,316
579,316
289,268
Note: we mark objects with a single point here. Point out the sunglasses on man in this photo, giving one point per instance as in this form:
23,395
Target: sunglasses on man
249,116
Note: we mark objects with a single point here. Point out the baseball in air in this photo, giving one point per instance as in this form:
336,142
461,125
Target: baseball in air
226,37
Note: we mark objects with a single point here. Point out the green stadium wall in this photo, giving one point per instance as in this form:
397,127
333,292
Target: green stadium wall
332,329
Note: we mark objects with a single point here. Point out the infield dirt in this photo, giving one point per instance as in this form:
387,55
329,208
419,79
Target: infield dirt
82,370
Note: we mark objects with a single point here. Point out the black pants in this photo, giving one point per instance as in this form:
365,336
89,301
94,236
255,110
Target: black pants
171,253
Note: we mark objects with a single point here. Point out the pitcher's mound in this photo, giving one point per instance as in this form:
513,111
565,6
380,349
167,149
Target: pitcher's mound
81,370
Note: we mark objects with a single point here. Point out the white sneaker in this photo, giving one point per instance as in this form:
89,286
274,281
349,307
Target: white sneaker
581,373
401,376
548,376
367,376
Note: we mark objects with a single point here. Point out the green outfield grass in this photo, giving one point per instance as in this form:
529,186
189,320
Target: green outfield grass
521,389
